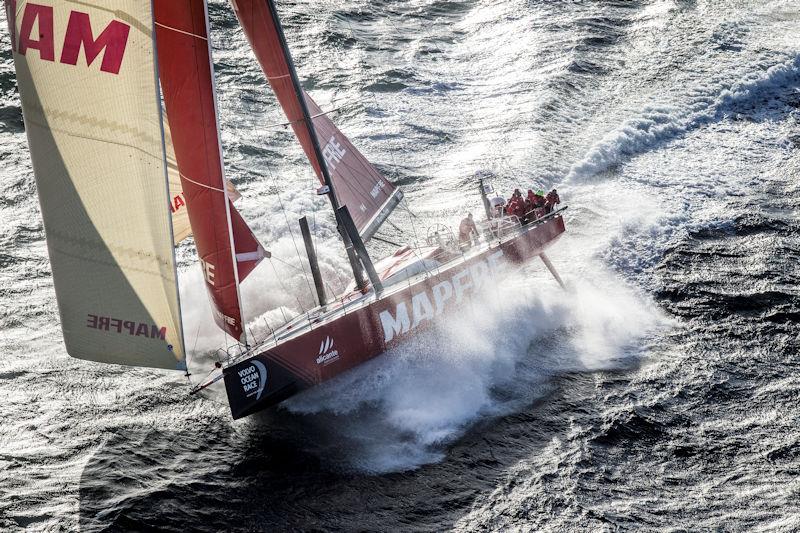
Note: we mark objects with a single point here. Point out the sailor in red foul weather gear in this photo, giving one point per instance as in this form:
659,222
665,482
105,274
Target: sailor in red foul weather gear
510,205
536,198
516,206
528,211
552,200
466,230
537,202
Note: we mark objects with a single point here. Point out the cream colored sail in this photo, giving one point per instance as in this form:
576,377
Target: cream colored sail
180,215
87,80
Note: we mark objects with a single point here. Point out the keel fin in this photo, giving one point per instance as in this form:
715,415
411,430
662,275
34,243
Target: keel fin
552,269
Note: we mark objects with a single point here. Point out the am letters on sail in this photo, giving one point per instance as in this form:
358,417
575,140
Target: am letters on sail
87,83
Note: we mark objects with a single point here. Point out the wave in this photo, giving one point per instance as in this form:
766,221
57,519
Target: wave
403,409
660,124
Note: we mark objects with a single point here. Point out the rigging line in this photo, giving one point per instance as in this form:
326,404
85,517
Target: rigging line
285,320
291,233
288,264
194,347
181,31
272,331
395,226
284,124
201,184
283,287
386,241
407,208
329,287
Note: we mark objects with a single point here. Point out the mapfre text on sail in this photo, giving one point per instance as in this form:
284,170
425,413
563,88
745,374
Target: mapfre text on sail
127,327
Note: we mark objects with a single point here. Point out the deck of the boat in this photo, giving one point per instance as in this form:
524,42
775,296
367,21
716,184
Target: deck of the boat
353,300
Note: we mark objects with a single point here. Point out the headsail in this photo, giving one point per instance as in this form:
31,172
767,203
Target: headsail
86,77
368,195
181,228
185,68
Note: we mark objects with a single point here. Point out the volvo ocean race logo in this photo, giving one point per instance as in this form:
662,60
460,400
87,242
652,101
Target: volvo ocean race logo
253,379
326,352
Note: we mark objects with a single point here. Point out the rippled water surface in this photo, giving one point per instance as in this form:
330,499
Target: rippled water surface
661,392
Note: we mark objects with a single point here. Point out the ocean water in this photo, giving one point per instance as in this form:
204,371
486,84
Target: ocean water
661,391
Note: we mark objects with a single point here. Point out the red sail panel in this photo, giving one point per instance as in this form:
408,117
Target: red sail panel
186,75
368,195
249,251
359,186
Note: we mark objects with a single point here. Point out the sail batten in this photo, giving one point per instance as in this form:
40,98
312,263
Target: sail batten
356,182
88,87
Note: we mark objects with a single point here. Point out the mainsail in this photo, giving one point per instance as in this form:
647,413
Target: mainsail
87,83
369,196
222,237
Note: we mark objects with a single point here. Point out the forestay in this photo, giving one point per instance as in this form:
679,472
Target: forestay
87,83
369,196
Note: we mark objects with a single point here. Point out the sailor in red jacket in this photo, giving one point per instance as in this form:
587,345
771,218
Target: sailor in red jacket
516,206
552,200
537,202
537,198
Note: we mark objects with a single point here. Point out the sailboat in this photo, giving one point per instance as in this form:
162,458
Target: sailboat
120,111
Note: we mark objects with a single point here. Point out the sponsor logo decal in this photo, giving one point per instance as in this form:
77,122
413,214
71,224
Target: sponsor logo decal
220,317
37,33
253,379
427,305
327,354
128,327
208,272
376,190
333,153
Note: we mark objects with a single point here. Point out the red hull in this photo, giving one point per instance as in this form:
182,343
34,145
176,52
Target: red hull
364,329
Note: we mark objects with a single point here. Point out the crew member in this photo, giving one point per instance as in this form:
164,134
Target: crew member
528,212
537,203
516,206
551,201
465,231
531,205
